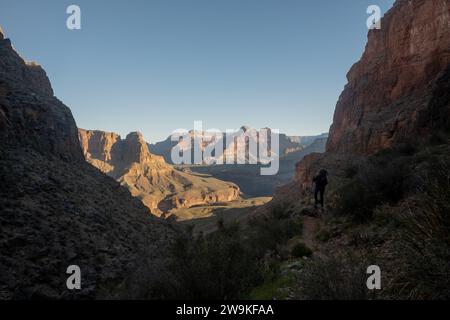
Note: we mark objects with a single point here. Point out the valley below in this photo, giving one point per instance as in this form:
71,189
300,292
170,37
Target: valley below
199,195
206,219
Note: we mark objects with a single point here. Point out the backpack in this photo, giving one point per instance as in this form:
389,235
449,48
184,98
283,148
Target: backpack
320,180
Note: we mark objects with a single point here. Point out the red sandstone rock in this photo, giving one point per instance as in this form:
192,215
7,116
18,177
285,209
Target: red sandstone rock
157,184
388,93
399,90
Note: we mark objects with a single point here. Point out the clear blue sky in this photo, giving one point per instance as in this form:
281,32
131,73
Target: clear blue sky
157,65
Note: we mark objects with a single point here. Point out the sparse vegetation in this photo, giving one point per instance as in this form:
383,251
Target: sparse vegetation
218,266
323,235
425,242
334,277
351,172
231,262
438,138
383,180
300,250
271,289
268,233
397,207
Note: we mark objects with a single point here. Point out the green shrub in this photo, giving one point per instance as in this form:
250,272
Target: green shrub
296,227
333,277
300,250
350,172
438,138
407,148
366,238
218,266
355,200
280,211
228,263
383,180
271,289
323,235
269,233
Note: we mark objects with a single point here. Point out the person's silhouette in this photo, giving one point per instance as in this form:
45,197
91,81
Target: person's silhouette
320,181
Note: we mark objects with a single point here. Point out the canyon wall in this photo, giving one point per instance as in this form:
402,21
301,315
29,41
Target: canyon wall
398,92
30,115
387,98
56,210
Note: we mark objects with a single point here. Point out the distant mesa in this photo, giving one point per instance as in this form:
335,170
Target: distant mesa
287,144
160,186
248,177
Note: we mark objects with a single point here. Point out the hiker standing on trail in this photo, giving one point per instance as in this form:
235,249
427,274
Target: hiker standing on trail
320,181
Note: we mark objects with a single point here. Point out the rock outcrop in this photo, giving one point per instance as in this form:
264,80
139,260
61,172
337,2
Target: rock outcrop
387,98
55,209
30,115
157,184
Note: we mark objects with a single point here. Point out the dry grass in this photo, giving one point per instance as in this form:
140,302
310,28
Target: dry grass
425,243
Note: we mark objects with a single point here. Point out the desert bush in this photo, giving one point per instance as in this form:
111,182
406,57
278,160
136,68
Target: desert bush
300,250
219,266
228,263
350,171
407,148
280,211
334,277
425,241
383,180
268,233
366,238
438,138
323,235
355,200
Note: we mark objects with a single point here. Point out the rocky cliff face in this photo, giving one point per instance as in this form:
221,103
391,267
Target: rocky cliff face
160,186
113,156
30,115
389,91
55,209
398,91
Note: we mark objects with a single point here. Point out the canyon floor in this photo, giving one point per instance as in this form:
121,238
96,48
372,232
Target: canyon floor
205,219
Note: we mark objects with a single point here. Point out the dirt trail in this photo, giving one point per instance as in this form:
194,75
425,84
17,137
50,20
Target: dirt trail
310,227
